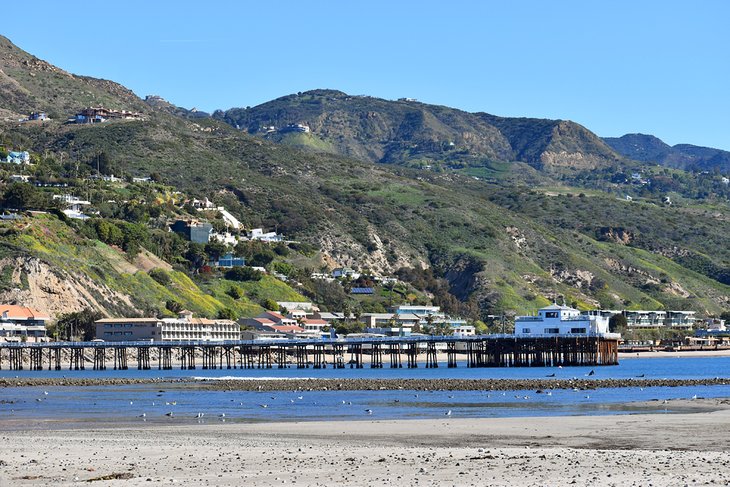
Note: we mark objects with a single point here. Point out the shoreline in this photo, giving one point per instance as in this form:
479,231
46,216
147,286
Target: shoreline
584,450
288,384
673,354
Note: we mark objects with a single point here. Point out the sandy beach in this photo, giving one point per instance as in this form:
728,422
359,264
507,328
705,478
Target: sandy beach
647,449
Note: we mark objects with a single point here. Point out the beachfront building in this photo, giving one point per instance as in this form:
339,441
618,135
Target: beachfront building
184,327
684,320
20,323
560,320
644,319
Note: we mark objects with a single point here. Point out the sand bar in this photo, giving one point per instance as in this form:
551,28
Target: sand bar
656,449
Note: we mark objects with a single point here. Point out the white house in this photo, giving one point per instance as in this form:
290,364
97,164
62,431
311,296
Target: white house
74,206
259,234
560,320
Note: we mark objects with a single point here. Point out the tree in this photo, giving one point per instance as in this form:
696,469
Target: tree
243,274
174,306
227,314
20,196
271,305
79,324
159,275
617,323
235,292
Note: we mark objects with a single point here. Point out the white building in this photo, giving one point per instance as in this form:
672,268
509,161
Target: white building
259,234
74,206
560,320
464,331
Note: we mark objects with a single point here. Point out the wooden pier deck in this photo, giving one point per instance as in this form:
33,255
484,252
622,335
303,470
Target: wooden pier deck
394,352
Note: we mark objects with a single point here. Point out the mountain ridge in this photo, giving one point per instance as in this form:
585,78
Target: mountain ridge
648,148
410,132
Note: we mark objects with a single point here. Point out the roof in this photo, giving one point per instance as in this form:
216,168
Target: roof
16,312
315,321
287,328
128,320
557,306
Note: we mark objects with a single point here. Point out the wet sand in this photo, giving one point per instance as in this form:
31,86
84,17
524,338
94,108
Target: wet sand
657,449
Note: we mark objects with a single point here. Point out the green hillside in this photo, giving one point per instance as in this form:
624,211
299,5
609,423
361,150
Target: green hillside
499,230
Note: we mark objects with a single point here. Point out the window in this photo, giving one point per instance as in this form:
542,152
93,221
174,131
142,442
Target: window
551,314
577,330
526,330
127,333
552,330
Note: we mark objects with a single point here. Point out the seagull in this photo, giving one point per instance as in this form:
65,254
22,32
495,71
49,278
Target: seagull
199,415
551,375
45,393
694,397
448,413
640,375
290,400
592,372
131,402
39,399
451,397
169,414
264,405
300,397
369,411
143,415
588,397
548,393
273,398
222,415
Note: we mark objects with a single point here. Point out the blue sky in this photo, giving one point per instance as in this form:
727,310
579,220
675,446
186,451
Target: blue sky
658,67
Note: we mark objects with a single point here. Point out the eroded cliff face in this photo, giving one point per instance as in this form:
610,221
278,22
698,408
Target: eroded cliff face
53,291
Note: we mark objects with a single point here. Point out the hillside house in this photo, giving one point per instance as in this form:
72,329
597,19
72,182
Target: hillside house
38,116
227,261
193,231
22,157
74,206
295,127
345,272
101,114
259,234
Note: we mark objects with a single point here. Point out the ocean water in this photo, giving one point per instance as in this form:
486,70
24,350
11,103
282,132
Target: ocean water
650,368
28,406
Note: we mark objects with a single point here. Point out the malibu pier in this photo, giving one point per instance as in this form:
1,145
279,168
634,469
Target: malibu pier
340,353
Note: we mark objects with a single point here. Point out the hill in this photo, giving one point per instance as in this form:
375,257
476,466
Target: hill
411,133
493,244
648,148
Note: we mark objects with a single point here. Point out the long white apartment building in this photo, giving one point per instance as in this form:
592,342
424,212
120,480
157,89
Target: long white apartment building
184,327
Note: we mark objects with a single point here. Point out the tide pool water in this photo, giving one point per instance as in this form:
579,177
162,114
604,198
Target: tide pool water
184,404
